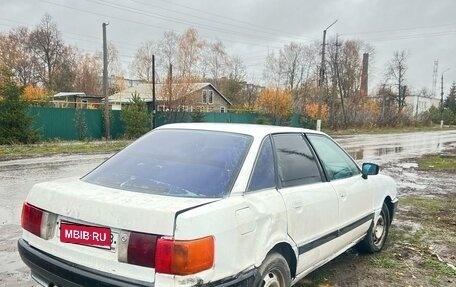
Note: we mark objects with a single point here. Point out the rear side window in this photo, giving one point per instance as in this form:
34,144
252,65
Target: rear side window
335,161
190,163
263,175
295,162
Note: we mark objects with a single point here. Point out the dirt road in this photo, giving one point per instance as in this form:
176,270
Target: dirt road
18,176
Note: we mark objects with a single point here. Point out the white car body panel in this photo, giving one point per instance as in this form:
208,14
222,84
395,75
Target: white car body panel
312,213
246,226
80,202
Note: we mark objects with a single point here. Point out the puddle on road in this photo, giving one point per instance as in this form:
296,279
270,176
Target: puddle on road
359,154
391,148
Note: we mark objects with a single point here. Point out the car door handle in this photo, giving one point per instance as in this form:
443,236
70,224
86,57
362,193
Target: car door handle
297,204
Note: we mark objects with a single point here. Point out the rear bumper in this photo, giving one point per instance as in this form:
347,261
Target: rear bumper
49,270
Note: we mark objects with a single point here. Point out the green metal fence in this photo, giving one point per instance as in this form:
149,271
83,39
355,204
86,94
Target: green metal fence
58,123
55,123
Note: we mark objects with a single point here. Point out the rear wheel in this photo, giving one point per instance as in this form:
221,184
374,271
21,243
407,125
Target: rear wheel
273,272
377,233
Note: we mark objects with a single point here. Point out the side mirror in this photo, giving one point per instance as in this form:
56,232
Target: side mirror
369,169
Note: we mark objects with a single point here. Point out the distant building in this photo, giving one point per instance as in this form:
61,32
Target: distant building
77,100
176,97
416,105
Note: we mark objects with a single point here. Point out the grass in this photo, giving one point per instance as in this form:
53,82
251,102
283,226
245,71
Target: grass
436,214
437,219
429,204
60,147
381,262
439,267
438,163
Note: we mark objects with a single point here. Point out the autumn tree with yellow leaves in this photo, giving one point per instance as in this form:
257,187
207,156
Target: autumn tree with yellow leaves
33,93
276,103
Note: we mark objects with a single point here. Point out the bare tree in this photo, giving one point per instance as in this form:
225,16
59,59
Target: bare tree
46,43
88,78
237,69
396,73
169,49
293,69
272,72
16,57
66,69
344,81
189,54
142,64
217,60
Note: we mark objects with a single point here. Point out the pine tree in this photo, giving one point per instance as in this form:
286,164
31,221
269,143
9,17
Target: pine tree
450,102
16,125
135,117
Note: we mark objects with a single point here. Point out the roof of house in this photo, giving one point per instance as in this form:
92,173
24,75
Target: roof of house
68,94
145,92
62,95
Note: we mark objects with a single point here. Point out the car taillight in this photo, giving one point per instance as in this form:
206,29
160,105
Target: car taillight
177,257
137,248
184,257
37,221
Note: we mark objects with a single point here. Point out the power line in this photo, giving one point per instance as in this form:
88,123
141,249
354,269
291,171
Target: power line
176,20
142,23
410,36
218,16
399,29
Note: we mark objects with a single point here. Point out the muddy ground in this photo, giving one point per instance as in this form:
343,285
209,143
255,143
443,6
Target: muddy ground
420,250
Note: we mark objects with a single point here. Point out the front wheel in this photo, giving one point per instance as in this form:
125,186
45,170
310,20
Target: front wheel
377,233
273,272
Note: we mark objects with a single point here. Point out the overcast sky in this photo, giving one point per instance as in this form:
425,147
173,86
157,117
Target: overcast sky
250,28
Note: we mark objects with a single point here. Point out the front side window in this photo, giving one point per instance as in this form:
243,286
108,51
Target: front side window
335,161
295,162
263,175
188,163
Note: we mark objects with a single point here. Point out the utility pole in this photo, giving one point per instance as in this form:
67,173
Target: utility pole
322,77
441,103
105,84
441,99
154,120
170,84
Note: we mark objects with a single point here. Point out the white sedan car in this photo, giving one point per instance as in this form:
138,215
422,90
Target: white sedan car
207,205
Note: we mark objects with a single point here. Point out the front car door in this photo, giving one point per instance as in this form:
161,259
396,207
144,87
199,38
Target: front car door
355,195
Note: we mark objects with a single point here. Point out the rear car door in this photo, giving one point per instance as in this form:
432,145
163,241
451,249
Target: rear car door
312,204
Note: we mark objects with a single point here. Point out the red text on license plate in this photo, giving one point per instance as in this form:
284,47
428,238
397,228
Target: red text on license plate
86,235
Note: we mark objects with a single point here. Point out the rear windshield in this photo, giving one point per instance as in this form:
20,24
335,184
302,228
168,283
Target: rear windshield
189,163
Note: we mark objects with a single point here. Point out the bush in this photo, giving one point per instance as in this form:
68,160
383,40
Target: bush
16,125
80,124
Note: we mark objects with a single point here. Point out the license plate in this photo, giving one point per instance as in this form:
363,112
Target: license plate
94,236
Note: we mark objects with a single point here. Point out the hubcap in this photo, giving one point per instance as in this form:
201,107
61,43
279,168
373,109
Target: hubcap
273,278
379,230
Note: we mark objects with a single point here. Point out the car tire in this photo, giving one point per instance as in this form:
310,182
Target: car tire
377,233
273,272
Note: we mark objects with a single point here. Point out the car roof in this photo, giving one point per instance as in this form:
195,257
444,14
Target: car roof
248,129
